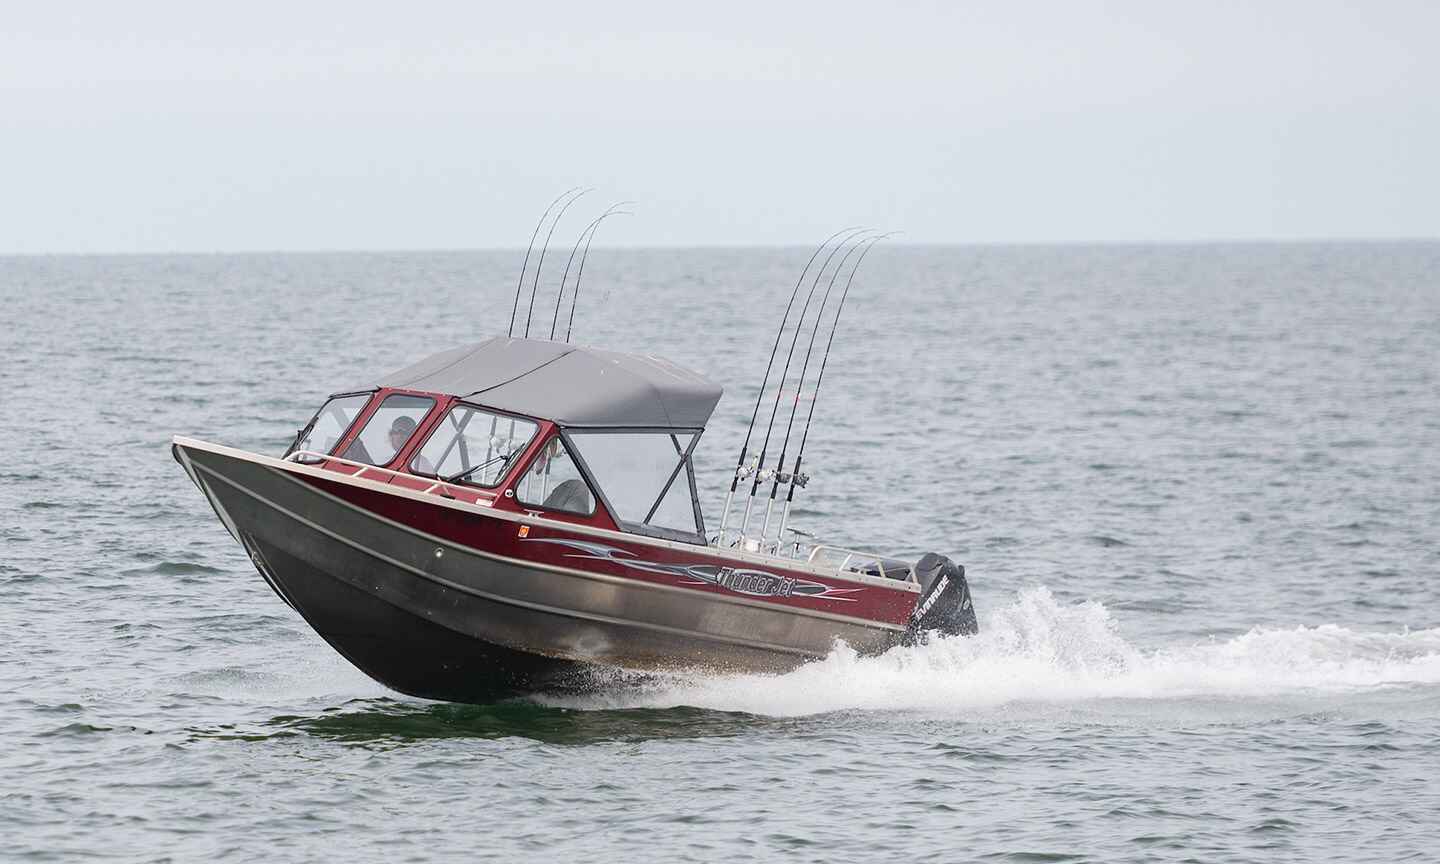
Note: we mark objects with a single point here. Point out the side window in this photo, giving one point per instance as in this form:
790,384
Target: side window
552,482
330,424
644,476
388,429
474,443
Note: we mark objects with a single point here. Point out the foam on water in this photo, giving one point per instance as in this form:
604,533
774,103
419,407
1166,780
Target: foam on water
1037,650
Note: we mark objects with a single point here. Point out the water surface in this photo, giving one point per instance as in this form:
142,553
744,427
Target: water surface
1196,488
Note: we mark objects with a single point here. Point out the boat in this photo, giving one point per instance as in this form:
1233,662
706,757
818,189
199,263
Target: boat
520,515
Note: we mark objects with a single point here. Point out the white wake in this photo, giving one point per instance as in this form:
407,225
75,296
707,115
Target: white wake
1036,650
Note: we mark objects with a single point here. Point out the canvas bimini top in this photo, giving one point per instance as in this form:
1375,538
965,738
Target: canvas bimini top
569,384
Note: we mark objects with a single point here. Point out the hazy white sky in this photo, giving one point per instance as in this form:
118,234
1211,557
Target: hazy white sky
183,126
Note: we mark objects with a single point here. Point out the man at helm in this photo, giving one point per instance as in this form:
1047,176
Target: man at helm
400,432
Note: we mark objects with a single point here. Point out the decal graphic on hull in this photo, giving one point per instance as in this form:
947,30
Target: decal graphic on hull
739,580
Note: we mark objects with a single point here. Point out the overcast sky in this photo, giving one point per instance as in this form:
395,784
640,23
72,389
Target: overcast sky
158,126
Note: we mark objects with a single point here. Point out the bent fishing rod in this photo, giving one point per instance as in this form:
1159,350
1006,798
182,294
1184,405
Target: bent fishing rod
800,387
612,210
820,379
780,388
535,286
515,307
760,394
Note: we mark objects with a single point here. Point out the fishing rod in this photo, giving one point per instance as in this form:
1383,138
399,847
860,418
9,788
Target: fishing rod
804,367
779,471
612,210
820,379
523,267
535,286
760,394
780,389
575,295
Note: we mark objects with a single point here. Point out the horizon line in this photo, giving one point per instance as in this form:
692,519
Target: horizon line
421,250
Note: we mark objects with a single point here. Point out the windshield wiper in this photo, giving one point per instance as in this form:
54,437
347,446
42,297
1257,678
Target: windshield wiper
503,457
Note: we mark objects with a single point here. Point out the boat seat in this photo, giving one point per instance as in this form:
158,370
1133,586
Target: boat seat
572,496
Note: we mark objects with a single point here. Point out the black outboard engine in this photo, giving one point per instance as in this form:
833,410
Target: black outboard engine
945,604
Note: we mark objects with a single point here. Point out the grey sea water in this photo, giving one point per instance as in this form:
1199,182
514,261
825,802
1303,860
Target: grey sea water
1197,490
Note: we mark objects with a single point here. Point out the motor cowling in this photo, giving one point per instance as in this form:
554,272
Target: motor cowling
945,605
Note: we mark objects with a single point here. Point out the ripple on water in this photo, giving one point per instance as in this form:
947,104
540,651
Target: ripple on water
173,568
1106,540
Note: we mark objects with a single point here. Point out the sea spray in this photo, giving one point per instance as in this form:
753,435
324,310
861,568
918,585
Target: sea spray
1037,650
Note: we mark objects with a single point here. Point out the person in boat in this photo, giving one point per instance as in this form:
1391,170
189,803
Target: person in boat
400,432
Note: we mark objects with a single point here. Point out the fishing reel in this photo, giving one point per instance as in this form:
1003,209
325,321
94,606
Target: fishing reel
798,478
781,478
768,474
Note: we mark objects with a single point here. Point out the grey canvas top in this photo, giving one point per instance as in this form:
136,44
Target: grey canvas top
570,384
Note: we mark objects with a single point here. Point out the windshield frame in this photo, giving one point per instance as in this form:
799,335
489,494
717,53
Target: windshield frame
372,413
439,423
344,434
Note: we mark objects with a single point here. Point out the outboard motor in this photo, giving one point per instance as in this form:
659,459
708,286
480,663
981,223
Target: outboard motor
945,604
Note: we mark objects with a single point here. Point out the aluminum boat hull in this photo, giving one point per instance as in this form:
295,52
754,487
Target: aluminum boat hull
455,603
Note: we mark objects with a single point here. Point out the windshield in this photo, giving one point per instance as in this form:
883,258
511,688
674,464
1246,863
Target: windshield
475,443
388,429
329,425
